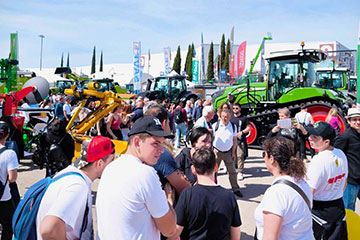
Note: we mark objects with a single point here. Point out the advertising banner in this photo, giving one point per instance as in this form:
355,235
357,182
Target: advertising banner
358,71
222,75
203,75
195,71
241,57
137,67
262,60
167,60
232,72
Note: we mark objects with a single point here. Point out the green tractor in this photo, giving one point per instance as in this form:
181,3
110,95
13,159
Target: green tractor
336,78
291,80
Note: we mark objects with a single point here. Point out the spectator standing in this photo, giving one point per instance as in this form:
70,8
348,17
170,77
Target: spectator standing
189,109
137,207
67,202
125,115
333,120
283,213
199,137
204,121
225,142
305,119
113,124
180,119
326,176
138,111
243,128
349,143
166,166
59,108
206,210
67,109
197,112
8,174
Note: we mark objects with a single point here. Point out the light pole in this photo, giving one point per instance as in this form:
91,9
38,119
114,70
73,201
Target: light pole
41,50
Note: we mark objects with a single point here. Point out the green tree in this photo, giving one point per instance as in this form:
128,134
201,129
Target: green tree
227,56
93,62
101,62
188,63
62,60
210,67
177,61
68,60
222,52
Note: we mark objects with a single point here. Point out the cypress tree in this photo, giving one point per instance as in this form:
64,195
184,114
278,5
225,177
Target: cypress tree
210,67
101,62
93,62
177,61
222,51
227,56
62,60
188,63
68,60
193,50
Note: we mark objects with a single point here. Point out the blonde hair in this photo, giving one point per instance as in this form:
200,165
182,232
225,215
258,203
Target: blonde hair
221,108
332,113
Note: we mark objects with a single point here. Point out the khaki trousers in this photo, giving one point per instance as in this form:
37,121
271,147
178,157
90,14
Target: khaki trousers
230,166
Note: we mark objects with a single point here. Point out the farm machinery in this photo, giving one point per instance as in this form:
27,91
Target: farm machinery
291,80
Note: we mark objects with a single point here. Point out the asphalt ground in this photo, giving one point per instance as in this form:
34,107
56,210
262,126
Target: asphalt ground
256,180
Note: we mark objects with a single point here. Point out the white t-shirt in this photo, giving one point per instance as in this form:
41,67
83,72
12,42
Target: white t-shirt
327,173
129,197
67,109
8,162
223,139
303,117
286,202
66,199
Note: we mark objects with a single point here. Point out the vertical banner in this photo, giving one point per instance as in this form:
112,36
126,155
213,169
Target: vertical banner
195,71
216,68
222,75
203,76
137,67
241,56
14,50
262,66
167,60
358,71
231,70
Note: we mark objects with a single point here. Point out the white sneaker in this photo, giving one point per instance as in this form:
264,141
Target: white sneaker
240,176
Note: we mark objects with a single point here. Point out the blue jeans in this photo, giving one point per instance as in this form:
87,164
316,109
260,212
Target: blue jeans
350,194
180,129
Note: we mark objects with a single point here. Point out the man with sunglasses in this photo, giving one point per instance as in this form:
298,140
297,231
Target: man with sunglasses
243,128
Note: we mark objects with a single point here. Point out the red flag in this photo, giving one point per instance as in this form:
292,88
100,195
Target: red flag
233,66
241,56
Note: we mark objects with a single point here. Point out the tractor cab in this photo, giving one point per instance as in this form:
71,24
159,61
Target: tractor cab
167,87
352,83
291,69
332,78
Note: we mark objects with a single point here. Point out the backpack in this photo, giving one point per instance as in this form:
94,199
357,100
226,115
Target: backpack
24,219
218,123
2,186
55,156
178,116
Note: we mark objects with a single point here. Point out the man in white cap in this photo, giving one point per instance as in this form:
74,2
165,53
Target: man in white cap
349,143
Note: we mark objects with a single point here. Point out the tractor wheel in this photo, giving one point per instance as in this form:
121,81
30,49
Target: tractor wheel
251,136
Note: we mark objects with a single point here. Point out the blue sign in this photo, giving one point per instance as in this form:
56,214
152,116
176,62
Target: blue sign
137,67
167,60
222,75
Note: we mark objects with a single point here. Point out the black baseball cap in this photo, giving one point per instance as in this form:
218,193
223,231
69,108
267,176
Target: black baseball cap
150,125
4,128
322,129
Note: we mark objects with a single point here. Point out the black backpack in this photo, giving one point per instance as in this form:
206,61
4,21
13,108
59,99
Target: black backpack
232,124
178,116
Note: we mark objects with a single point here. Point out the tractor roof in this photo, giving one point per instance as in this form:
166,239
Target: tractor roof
329,69
313,55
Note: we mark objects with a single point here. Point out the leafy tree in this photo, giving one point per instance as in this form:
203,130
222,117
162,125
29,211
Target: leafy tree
101,62
222,51
93,62
177,61
227,56
188,63
68,60
62,60
210,67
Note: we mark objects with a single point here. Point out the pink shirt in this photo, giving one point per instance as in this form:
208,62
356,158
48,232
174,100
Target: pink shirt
334,122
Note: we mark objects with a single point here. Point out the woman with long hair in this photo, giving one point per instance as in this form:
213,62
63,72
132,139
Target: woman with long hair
333,120
125,116
283,212
113,124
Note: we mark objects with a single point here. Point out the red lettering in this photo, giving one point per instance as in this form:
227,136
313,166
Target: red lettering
334,180
331,180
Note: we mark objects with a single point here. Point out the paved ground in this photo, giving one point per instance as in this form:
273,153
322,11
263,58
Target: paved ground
257,180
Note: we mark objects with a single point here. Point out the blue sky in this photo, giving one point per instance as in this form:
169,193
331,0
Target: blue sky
112,25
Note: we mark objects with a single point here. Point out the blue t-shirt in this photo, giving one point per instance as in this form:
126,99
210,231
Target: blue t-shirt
165,166
138,113
59,112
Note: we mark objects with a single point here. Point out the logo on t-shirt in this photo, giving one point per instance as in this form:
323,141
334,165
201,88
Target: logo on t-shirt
337,163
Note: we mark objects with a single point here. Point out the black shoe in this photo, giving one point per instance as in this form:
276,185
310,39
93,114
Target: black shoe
238,193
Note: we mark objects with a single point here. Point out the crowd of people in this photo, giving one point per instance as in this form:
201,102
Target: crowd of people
166,182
